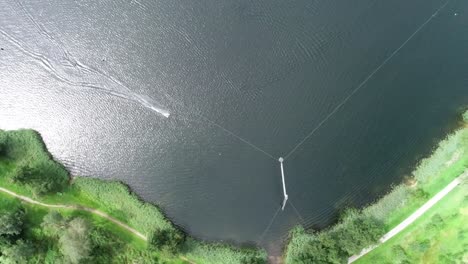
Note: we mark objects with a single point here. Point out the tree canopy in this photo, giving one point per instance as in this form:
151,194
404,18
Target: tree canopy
11,222
74,243
17,253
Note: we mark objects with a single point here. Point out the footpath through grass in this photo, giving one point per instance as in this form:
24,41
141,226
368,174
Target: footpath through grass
22,152
438,236
448,161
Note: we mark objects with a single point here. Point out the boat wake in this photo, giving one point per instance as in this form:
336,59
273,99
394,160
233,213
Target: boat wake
51,54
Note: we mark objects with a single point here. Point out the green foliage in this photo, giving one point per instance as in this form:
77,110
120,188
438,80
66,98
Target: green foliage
17,253
39,176
53,223
52,256
354,232
393,200
465,116
215,253
74,243
433,165
170,240
399,254
34,167
253,259
11,222
3,143
323,249
130,209
358,233
420,246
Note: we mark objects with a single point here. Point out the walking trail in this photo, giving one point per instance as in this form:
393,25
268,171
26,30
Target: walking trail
421,210
83,208
76,207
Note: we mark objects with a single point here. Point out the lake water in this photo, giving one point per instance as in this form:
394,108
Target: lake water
192,103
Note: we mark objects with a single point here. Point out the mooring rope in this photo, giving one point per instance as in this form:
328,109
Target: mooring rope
297,212
364,82
269,225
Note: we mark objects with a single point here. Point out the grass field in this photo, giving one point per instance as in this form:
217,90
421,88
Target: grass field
114,198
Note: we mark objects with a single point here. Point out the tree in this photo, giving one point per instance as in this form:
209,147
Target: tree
17,253
167,239
358,233
74,243
53,223
11,222
322,250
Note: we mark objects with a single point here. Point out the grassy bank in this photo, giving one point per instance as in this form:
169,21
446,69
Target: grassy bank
439,236
27,168
448,161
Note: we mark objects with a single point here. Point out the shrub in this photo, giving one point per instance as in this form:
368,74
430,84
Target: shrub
11,222
53,223
170,240
20,252
420,246
465,116
399,254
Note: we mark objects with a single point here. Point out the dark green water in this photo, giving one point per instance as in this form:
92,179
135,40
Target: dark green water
377,82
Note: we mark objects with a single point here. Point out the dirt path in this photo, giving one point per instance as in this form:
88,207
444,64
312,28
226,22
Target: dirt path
421,210
87,209
76,207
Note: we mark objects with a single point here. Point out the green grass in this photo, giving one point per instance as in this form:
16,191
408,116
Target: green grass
111,197
429,240
432,174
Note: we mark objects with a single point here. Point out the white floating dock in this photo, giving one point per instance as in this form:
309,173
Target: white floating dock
285,199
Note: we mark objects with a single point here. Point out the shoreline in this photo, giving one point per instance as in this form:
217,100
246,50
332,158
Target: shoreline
448,158
447,161
101,196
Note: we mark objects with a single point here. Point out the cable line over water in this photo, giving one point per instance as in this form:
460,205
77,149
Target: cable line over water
363,82
197,113
269,225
